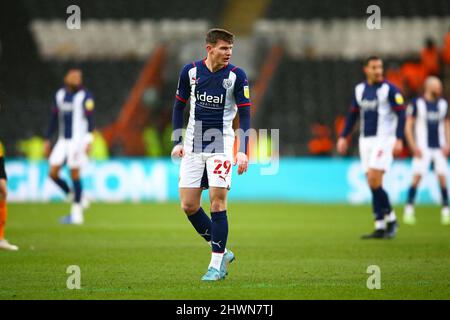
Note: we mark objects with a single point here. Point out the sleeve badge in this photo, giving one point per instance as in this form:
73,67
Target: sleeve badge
89,105
247,92
399,99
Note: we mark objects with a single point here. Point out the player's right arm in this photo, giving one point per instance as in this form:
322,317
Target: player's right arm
409,129
51,128
181,98
350,121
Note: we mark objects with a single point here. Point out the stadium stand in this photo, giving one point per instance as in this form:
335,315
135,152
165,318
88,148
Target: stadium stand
111,48
122,9
111,39
350,38
305,91
329,9
323,43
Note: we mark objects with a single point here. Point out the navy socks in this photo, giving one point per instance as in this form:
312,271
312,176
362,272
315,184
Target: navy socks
202,223
77,190
412,195
219,232
380,203
62,184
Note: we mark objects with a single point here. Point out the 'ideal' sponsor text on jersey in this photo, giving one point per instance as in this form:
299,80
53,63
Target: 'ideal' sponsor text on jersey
214,99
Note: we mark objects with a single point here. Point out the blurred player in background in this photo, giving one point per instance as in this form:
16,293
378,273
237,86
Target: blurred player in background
217,90
73,115
380,106
428,135
4,244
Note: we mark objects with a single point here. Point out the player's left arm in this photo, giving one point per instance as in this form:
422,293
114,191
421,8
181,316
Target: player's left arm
242,97
397,103
446,147
3,177
89,106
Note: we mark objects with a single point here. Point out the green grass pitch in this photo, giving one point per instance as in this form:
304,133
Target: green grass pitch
283,251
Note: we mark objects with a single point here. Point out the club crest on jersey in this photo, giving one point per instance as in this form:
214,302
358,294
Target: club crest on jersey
227,83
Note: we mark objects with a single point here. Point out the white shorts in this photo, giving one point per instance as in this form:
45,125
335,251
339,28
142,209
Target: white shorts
68,151
376,153
421,165
204,170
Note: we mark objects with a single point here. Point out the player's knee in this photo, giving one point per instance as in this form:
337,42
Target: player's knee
442,182
416,181
218,205
374,181
189,207
75,174
54,175
3,193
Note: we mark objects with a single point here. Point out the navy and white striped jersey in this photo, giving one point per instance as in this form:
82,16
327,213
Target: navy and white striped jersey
430,119
377,105
73,111
214,100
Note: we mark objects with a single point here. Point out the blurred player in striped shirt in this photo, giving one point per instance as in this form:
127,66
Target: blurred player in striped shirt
380,106
72,114
428,135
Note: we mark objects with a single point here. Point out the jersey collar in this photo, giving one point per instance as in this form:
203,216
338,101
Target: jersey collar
206,67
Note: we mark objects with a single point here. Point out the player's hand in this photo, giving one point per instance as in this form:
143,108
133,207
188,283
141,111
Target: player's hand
177,151
242,161
446,150
47,148
417,153
398,147
88,148
342,146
